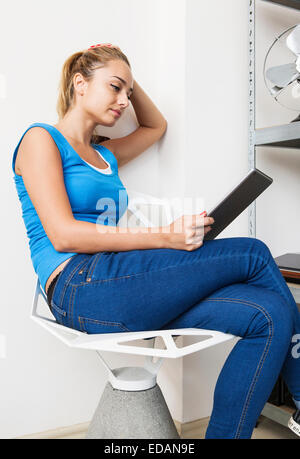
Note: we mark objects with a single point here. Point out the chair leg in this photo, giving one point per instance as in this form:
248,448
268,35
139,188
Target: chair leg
129,415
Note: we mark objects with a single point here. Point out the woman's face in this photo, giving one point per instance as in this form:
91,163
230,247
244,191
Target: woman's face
105,92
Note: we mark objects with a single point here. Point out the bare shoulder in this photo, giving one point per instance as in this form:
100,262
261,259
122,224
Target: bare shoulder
42,173
36,134
35,140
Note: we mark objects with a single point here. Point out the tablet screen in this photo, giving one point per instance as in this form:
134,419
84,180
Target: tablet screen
254,184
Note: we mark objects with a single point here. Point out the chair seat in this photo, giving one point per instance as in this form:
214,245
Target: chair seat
120,342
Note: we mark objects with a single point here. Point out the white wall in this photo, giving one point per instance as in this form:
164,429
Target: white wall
44,384
191,57
214,152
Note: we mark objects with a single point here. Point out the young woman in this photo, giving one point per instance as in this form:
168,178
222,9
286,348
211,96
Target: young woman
100,280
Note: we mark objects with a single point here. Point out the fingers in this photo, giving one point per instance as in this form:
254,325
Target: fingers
197,220
196,227
202,221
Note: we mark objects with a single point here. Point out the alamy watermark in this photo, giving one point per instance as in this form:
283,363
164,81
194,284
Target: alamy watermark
149,216
296,348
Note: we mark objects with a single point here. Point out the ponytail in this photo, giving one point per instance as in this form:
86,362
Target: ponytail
84,62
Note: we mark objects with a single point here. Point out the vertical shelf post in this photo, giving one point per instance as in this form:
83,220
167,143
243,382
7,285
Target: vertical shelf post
252,110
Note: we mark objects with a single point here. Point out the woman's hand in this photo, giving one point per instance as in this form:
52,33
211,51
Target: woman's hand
187,232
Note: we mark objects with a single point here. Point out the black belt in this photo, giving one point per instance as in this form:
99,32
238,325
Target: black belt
51,288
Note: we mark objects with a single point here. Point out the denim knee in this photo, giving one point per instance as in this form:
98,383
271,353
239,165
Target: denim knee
253,245
273,318
261,247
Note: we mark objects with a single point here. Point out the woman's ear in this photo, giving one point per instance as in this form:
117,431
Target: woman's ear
79,84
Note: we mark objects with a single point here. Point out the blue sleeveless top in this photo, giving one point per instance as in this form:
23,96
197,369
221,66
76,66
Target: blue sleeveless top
94,197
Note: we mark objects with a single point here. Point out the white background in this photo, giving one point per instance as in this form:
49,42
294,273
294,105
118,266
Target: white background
191,57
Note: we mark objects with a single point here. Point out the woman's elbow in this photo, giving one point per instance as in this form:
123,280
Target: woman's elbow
165,126
163,130
60,244
60,247
61,237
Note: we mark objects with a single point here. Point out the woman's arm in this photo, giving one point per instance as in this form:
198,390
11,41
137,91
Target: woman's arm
88,237
43,179
152,127
186,233
146,112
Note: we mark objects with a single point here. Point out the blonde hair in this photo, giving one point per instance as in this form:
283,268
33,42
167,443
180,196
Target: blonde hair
85,63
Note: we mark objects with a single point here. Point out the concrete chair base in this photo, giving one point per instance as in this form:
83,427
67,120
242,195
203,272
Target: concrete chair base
132,415
132,404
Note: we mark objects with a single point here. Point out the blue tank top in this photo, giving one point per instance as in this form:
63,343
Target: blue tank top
94,197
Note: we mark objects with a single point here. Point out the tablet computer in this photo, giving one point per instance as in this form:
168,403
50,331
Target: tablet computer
254,184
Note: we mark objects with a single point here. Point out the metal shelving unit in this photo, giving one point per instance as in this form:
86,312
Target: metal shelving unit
281,136
284,136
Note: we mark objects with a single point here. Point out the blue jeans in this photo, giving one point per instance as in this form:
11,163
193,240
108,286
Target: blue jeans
231,285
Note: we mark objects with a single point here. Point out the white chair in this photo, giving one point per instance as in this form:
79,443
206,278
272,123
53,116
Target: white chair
132,404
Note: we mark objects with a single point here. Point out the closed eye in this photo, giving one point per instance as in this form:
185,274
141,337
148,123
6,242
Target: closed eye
116,88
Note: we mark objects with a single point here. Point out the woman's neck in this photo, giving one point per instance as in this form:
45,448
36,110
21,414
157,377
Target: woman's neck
76,129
